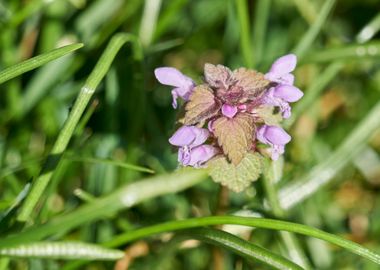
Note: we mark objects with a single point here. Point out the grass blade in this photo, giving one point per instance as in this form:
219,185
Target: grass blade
324,172
260,27
309,37
125,197
62,251
110,162
67,131
242,247
35,62
369,50
245,37
246,221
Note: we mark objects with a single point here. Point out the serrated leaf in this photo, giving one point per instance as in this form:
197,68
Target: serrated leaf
201,106
235,135
217,76
252,82
239,177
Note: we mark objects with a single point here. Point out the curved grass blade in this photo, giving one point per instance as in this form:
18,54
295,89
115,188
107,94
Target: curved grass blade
242,247
247,221
32,63
62,251
309,37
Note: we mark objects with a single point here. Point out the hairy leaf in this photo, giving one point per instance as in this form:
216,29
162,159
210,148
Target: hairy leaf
239,177
201,106
252,82
217,76
235,135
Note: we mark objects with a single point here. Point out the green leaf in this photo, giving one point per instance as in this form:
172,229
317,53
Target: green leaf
32,63
235,135
239,177
63,251
241,247
201,106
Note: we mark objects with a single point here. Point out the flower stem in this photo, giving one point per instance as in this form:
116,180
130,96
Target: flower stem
289,239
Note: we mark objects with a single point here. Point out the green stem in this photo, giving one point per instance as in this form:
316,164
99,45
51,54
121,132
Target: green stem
289,239
67,131
245,38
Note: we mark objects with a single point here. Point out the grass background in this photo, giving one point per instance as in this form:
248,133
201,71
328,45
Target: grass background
333,159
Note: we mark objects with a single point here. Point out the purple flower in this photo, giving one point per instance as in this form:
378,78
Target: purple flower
191,151
173,77
274,136
229,110
197,156
281,68
280,96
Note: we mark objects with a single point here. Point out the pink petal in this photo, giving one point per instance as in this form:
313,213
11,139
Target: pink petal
182,137
190,136
288,93
283,65
229,111
288,79
201,154
277,135
173,77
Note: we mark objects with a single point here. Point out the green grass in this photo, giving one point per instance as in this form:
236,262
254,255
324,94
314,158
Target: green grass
85,164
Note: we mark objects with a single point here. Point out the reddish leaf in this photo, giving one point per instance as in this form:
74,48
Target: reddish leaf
235,135
252,82
217,76
201,106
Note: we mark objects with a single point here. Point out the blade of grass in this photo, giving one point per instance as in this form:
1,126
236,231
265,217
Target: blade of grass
260,27
324,172
307,10
369,50
246,221
37,61
369,30
68,129
149,21
124,197
245,37
310,36
242,247
62,251
108,161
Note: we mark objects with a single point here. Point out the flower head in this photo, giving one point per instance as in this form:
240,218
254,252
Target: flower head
229,114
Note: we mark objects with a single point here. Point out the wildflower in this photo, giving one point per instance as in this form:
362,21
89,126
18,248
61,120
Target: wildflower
274,136
171,76
191,151
229,114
